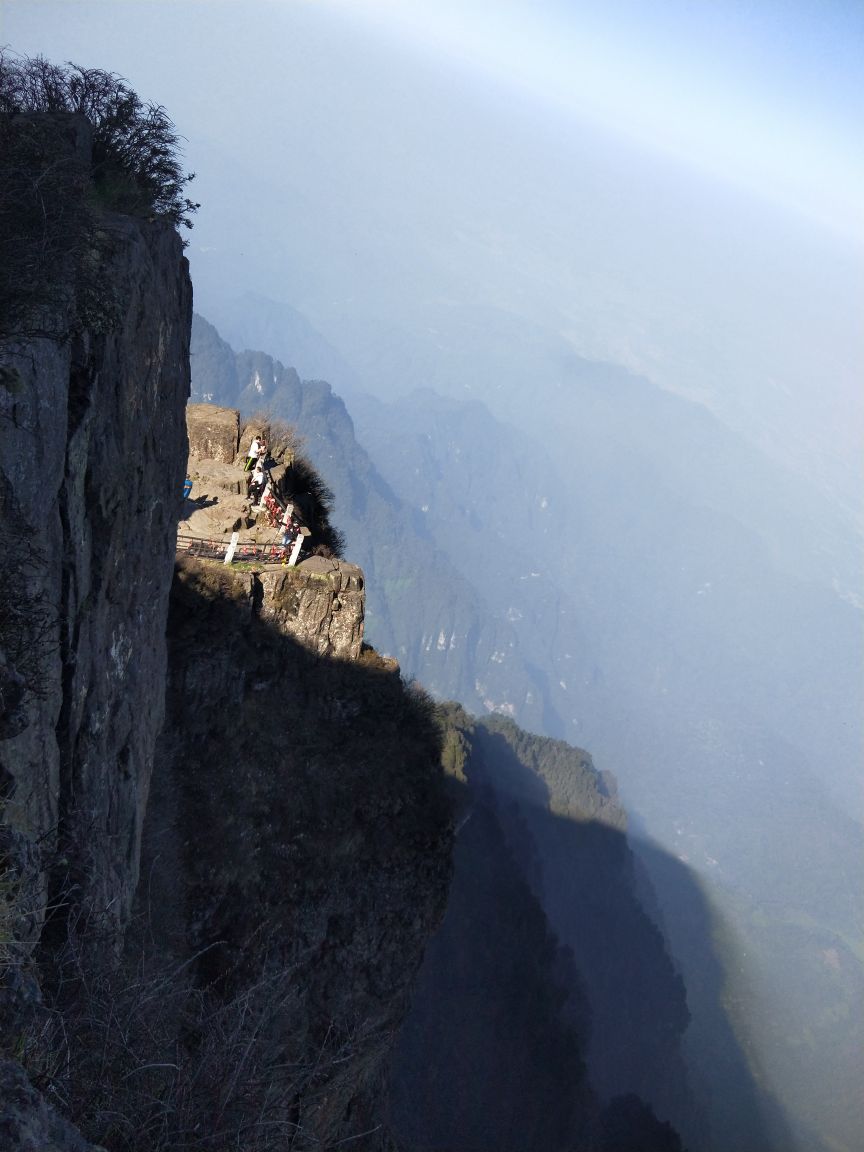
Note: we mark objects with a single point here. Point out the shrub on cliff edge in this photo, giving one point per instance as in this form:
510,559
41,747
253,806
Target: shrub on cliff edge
136,164
56,173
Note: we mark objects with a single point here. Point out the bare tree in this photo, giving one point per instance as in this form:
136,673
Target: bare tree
55,182
135,145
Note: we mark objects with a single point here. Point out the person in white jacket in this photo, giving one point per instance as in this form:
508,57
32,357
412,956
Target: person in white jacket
256,485
252,454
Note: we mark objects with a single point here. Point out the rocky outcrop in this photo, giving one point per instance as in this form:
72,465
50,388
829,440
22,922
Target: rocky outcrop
320,603
214,432
28,1123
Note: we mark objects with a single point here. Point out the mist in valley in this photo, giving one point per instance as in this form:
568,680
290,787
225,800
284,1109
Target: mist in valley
600,345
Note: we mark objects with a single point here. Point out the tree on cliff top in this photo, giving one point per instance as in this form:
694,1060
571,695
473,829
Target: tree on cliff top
136,163
55,175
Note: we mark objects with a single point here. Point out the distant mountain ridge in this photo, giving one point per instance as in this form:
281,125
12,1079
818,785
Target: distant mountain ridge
392,544
420,609
557,953
703,661
254,321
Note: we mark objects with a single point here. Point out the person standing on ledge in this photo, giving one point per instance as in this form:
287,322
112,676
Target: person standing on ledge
256,484
252,454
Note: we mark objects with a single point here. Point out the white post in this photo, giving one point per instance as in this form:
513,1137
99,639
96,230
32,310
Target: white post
232,547
295,551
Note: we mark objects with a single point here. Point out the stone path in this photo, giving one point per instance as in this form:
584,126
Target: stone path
217,507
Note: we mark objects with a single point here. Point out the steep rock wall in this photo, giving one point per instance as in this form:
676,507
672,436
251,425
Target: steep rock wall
214,433
92,453
513,1040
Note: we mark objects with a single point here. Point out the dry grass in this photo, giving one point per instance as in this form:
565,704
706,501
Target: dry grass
145,1061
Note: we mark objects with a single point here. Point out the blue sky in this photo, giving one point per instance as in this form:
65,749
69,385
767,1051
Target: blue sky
768,94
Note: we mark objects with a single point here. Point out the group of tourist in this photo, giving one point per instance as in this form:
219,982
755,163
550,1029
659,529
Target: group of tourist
259,490
256,459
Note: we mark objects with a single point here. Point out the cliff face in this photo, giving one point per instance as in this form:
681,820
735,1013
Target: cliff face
92,452
547,1013
582,871
297,826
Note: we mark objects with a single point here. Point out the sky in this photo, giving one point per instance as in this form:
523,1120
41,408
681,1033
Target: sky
769,95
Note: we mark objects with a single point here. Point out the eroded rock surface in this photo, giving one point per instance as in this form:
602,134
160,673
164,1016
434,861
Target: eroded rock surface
213,432
320,603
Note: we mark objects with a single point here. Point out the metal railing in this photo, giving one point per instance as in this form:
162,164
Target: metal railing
205,549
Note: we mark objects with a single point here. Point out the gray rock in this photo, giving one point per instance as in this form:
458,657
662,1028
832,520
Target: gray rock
28,1123
321,603
297,814
92,458
214,432
13,714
